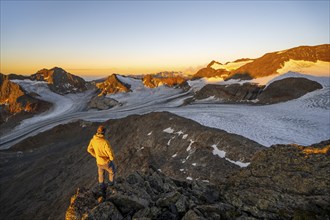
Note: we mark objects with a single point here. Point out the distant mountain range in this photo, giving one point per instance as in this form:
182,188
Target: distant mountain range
269,64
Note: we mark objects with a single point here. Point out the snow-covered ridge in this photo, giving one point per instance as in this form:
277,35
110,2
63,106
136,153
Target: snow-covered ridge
230,66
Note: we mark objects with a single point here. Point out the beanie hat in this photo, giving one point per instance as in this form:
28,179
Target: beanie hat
101,129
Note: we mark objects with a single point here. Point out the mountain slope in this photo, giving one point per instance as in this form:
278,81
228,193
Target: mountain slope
14,99
303,59
54,163
60,81
270,63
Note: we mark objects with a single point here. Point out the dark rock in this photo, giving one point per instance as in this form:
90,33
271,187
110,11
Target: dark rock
168,199
230,93
102,102
278,91
103,211
284,181
182,204
191,215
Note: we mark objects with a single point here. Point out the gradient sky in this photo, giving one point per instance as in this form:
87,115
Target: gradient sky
102,37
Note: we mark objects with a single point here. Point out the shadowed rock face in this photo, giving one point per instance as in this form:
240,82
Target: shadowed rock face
60,81
112,85
278,91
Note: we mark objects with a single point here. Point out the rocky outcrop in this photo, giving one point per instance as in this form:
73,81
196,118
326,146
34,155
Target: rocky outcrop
112,85
150,195
284,182
230,93
102,102
287,89
152,81
60,81
269,63
278,91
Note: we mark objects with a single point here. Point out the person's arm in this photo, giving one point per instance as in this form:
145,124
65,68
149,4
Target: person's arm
110,152
90,149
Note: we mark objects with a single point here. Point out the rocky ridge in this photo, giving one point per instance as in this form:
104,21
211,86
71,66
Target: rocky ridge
51,165
277,91
282,182
268,64
152,81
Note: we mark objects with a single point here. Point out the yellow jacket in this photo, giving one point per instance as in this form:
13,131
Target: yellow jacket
100,148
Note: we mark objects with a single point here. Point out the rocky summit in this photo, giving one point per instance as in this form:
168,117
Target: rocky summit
60,81
151,195
112,85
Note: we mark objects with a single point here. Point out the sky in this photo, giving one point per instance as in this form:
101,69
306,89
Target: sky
139,37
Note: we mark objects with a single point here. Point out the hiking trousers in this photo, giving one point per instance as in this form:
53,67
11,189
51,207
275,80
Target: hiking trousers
101,169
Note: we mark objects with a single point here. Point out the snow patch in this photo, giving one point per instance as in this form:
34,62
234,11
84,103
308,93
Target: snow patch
169,141
174,155
194,164
150,133
169,130
179,132
205,181
189,178
181,170
230,65
189,147
185,136
218,152
238,163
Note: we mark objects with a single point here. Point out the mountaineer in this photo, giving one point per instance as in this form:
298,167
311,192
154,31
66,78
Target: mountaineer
100,148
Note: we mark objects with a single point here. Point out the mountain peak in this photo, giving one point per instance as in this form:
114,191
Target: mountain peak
60,81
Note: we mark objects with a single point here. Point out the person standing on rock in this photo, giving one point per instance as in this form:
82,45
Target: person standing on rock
100,148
